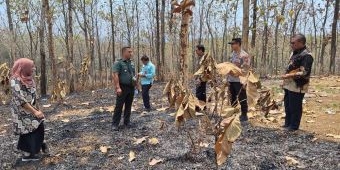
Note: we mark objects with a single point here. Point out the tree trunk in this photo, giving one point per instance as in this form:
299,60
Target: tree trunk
235,33
112,34
278,22
49,16
11,28
324,40
43,77
264,61
158,41
296,18
93,77
225,36
201,11
127,24
162,41
253,31
99,51
210,30
334,37
245,25
71,43
184,37
31,39
315,44
138,36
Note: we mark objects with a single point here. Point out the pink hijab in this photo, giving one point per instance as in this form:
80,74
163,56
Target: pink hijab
23,70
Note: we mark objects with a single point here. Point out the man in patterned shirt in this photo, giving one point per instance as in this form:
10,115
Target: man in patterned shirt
238,93
296,81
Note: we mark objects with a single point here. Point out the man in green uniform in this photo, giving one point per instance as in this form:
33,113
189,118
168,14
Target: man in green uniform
125,82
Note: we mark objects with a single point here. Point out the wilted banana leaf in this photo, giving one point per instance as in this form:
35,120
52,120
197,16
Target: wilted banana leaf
231,131
187,109
251,83
252,94
228,68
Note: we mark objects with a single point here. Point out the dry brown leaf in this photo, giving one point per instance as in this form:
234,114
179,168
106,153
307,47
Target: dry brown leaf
199,114
46,105
140,140
200,71
333,136
65,120
291,161
132,156
104,149
85,103
153,141
223,145
222,149
162,109
310,121
252,94
205,145
173,114
180,114
234,130
229,111
228,68
155,161
167,88
314,139
110,108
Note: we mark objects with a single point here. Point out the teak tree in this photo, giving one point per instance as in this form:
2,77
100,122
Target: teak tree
184,8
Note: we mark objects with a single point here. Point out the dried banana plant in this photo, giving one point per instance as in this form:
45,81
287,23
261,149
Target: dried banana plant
84,72
59,91
227,129
4,80
175,93
187,109
265,102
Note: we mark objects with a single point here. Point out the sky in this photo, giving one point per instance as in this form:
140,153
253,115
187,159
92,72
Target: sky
4,25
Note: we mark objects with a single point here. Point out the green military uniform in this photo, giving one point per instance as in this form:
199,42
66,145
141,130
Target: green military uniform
126,73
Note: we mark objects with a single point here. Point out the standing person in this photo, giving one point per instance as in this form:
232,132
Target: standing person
27,119
296,81
147,74
238,93
201,86
125,82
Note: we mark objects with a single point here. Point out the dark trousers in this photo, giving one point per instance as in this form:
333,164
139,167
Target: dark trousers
32,142
146,96
201,93
126,98
293,109
236,89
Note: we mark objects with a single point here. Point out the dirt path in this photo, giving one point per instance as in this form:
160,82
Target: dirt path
77,129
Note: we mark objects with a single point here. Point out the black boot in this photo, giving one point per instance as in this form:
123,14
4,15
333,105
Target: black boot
243,117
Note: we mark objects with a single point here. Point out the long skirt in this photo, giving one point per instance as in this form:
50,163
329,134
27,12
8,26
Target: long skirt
32,142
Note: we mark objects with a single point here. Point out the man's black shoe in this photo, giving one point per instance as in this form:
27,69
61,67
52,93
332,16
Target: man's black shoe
127,126
45,148
291,129
115,128
243,118
30,158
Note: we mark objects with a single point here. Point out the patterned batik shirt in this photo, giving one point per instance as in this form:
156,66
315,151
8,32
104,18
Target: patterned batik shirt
24,121
242,60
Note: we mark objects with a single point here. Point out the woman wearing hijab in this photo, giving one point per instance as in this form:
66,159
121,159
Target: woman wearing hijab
27,119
